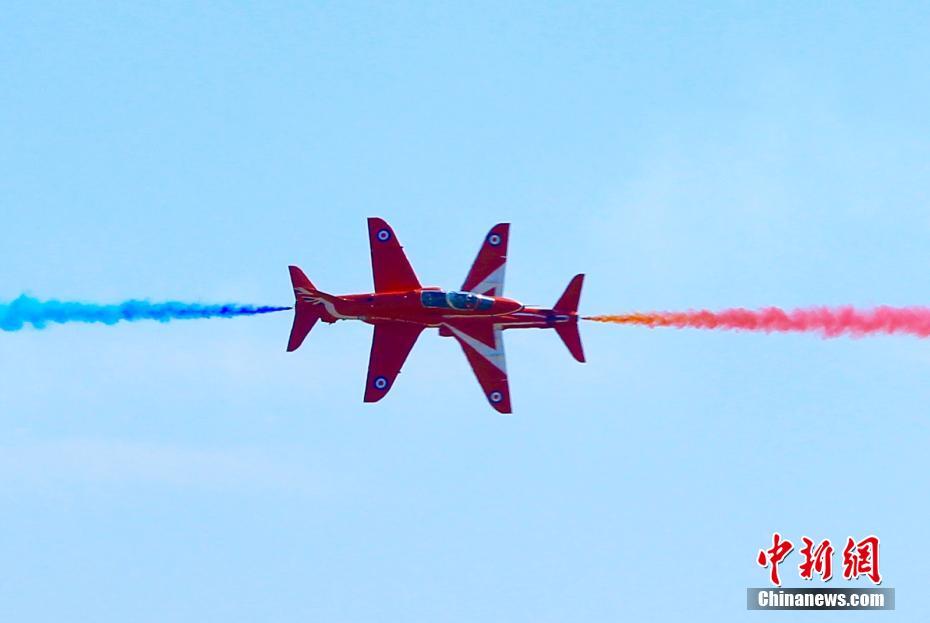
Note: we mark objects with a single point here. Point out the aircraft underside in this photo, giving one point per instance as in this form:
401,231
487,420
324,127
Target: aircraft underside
400,309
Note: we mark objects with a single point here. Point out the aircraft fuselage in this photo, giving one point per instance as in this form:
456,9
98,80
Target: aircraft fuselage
375,307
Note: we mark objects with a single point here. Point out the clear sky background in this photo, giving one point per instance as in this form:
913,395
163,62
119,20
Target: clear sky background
727,154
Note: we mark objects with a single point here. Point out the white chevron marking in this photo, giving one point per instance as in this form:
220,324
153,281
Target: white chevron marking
495,355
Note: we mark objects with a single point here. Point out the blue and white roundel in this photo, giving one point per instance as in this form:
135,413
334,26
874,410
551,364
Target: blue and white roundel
495,396
381,382
494,240
383,235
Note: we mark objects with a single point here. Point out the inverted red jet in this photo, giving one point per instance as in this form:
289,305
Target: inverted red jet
400,308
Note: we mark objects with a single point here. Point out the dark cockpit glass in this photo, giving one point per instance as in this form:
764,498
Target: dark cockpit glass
455,300
462,300
433,298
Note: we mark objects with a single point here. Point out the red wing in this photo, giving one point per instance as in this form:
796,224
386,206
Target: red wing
487,272
390,345
389,265
484,348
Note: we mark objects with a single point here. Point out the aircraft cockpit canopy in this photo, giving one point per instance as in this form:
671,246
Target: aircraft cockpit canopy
455,300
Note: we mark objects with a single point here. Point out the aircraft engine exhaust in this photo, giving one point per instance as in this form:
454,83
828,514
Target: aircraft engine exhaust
26,310
829,322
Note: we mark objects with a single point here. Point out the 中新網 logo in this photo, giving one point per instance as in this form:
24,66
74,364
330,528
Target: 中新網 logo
860,558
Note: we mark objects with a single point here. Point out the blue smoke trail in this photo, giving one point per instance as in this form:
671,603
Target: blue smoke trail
28,310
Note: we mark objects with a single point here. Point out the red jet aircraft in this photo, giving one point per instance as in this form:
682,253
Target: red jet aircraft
400,308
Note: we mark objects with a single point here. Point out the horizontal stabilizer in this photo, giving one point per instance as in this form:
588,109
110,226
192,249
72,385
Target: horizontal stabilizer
302,285
572,295
569,333
305,313
304,319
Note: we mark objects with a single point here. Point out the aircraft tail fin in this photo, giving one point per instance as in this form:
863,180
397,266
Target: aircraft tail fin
305,312
568,304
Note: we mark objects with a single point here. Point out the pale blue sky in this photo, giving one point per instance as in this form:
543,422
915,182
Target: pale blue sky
715,155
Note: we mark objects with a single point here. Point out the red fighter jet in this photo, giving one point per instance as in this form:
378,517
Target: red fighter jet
400,308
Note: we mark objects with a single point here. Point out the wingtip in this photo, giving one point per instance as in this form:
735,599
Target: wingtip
504,407
501,229
373,397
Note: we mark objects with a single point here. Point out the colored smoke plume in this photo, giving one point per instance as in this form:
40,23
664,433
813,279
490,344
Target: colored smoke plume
28,310
827,321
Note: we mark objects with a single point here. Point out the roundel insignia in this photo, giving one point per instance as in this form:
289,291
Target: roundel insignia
380,382
383,235
494,240
495,396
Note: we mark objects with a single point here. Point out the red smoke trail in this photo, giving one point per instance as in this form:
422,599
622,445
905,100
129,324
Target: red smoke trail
828,321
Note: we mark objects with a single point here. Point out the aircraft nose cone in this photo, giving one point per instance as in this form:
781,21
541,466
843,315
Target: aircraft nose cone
507,306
